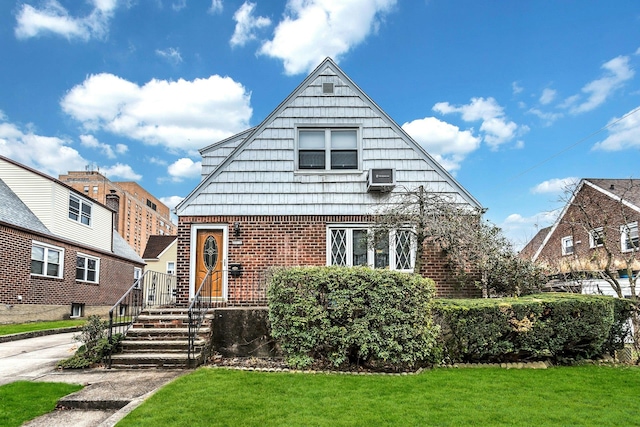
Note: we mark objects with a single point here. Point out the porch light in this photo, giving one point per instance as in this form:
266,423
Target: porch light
236,229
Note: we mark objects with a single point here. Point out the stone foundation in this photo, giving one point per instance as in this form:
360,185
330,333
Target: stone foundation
24,313
242,332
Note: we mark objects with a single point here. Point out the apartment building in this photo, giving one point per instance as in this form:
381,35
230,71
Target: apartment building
138,213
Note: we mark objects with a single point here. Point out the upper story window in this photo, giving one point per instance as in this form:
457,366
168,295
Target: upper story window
328,149
567,245
171,267
596,237
349,246
629,238
79,210
46,260
87,268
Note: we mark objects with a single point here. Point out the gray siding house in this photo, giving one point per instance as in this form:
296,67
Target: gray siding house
300,189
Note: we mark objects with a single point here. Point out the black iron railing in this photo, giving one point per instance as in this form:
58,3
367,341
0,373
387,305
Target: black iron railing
153,289
209,291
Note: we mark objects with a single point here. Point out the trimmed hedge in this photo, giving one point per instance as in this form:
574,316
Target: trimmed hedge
559,327
351,316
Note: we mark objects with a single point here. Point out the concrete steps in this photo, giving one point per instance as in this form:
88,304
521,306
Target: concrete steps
160,339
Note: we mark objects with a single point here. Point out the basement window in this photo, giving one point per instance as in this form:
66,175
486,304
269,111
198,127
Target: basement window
77,310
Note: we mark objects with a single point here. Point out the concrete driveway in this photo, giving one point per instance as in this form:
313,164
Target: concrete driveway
31,358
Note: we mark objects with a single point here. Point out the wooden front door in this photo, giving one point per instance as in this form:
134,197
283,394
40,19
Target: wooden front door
209,257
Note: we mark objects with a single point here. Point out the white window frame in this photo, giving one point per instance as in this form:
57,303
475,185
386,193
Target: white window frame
327,147
77,310
350,228
592,240
564,245
46,247
171,270
86,268
627,234
80,213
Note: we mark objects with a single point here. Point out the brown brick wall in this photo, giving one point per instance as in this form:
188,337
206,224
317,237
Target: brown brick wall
269,241
115,277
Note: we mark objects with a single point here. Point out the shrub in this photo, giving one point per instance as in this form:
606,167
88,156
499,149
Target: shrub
560,327
345,316
95,346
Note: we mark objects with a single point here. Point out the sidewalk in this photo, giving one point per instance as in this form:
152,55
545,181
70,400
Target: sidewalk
108,395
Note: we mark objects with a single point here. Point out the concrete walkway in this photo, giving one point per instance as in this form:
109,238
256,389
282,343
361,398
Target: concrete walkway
107,397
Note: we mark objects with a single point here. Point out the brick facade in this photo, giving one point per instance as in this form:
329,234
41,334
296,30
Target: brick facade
115,275
270,241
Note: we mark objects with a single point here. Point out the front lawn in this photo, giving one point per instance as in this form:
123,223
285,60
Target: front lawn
16,328
577,396
24,400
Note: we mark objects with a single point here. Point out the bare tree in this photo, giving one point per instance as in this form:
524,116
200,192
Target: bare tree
476,250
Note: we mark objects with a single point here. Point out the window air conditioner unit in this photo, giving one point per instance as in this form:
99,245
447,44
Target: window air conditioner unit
381,180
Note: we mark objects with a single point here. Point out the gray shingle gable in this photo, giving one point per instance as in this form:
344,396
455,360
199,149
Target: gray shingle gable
258,175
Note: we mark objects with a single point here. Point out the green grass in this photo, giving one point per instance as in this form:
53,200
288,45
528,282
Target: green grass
23,400
16,328
576,396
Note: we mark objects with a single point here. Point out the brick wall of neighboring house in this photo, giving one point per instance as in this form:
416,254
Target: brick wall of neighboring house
601,211
269,241
115,275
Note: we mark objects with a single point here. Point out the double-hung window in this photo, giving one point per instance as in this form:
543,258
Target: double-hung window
79,210
596,237
46,260
629,238
327,149
353,246
567,245
87,268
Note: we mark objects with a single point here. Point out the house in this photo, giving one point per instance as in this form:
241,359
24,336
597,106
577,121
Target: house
139,214
62,256
300,189
595,240
160,254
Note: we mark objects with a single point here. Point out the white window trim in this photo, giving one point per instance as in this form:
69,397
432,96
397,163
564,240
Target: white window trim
624,236
97,260
327,166
564,246
592,241
81,202
48,247
174,267
370,251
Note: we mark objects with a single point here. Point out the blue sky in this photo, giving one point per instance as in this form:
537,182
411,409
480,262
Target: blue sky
514,98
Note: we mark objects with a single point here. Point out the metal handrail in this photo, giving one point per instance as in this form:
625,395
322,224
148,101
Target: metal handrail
151,289
201,302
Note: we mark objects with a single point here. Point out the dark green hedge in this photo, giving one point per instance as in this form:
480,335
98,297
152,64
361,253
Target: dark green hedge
345,316
560,327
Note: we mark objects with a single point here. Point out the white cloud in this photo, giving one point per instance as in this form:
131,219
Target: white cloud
617,72
178,5
314,29
548,95
170,54
516,88
120,171
180,115
623,133
445,142
121,148
184,168
496,128
92,142
171,201
520,229
246,24
216,6
555,185
53,18
547,117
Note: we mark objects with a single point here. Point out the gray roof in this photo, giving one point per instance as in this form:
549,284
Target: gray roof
627,189
122,248
13,211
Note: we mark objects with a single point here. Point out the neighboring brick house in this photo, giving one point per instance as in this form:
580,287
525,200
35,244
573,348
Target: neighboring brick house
596,232
61,256
300,189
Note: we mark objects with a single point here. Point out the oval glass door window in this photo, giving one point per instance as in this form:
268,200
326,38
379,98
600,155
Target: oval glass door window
210,253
